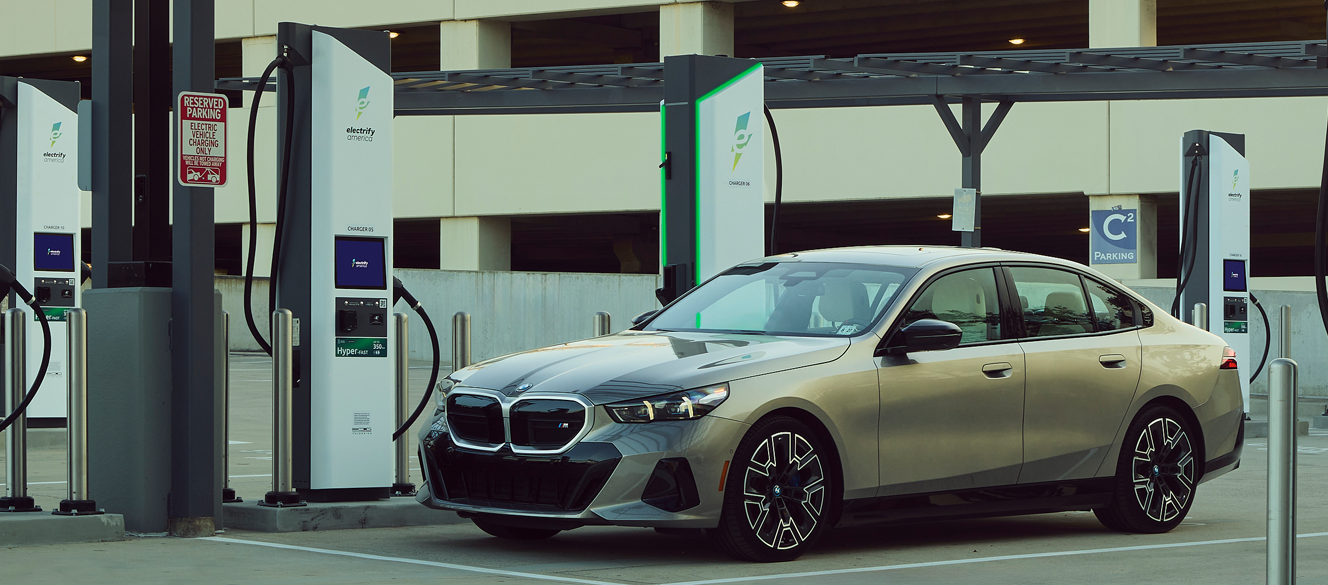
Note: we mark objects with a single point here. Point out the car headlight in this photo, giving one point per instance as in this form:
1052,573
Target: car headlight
685,405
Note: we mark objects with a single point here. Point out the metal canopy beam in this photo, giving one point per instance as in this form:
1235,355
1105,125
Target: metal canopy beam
112,164
1283,69
195,453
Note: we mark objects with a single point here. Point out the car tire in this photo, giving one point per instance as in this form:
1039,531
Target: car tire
514,532
771,521
1156,475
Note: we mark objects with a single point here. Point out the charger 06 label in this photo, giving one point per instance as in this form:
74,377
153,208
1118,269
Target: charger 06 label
53,314
361,347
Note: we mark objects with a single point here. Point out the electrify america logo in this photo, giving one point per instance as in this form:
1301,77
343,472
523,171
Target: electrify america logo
51,155
364,134
1234,195
362,103
741,137
359,263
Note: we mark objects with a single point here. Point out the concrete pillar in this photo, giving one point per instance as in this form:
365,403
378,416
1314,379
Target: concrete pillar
475,243
267,232
696,28
1122,23
1117,223
474,44
255,55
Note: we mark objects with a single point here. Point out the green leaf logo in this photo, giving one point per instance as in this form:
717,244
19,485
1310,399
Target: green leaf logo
362,103
741,137
1235,179
55,133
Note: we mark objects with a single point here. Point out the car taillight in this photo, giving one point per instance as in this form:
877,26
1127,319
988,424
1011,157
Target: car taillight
1228,359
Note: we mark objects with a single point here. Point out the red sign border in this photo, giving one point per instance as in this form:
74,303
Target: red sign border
179,140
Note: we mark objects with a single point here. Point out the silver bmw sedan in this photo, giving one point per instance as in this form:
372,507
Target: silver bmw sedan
800,392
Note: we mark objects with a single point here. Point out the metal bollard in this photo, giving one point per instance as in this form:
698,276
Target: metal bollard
79,503
1284,332
1200,316
460,340
283,493
227,492
602,324
16,385
403,486
1282,472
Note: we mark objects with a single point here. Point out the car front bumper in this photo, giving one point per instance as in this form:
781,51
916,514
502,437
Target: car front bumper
599,480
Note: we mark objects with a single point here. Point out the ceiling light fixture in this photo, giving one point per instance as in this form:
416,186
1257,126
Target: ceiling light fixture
944,216
1084,230
80,58
1016,41
393,34
791,3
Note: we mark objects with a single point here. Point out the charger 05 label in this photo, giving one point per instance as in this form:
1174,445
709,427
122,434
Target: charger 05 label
361,347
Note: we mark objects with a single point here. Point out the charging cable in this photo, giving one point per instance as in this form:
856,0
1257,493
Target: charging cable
284,63
1267,336
1188,247
772,249
7,283
399,292
1320,246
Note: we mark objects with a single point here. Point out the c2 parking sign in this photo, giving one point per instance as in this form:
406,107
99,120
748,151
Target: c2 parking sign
1115,236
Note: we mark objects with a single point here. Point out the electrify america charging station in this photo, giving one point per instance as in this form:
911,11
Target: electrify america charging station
335,265
1215,221
40,215
712,178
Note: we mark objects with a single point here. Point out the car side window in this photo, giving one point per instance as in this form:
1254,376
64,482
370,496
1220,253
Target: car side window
967,299
1053,302
1112,309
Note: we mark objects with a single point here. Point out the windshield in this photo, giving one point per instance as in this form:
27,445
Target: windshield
787,298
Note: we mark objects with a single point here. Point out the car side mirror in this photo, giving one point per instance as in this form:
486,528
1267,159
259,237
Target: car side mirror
924,335
639,319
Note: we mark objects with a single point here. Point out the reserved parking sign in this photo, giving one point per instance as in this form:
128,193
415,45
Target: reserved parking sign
202,139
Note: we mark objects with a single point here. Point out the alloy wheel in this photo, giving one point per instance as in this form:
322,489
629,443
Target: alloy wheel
784,490
1163,470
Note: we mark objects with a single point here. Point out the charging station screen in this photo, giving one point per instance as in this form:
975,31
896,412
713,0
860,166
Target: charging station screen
53,252
361,263
1233,275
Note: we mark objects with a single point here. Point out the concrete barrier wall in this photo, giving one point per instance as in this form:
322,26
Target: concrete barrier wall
516,311
510,311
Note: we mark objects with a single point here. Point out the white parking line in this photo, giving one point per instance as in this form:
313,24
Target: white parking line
1067,553
410,561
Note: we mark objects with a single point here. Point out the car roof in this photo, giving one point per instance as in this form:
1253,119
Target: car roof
936,257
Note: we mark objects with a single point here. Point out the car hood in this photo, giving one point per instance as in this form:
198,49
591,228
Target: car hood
634,364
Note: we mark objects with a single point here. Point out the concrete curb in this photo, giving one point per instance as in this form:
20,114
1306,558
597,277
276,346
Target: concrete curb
391,513
38,528
1258,429
39,439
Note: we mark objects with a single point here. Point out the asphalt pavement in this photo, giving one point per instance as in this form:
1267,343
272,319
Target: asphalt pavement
1220,542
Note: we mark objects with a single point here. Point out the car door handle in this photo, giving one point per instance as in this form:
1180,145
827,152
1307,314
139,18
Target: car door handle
1114,361
998,370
